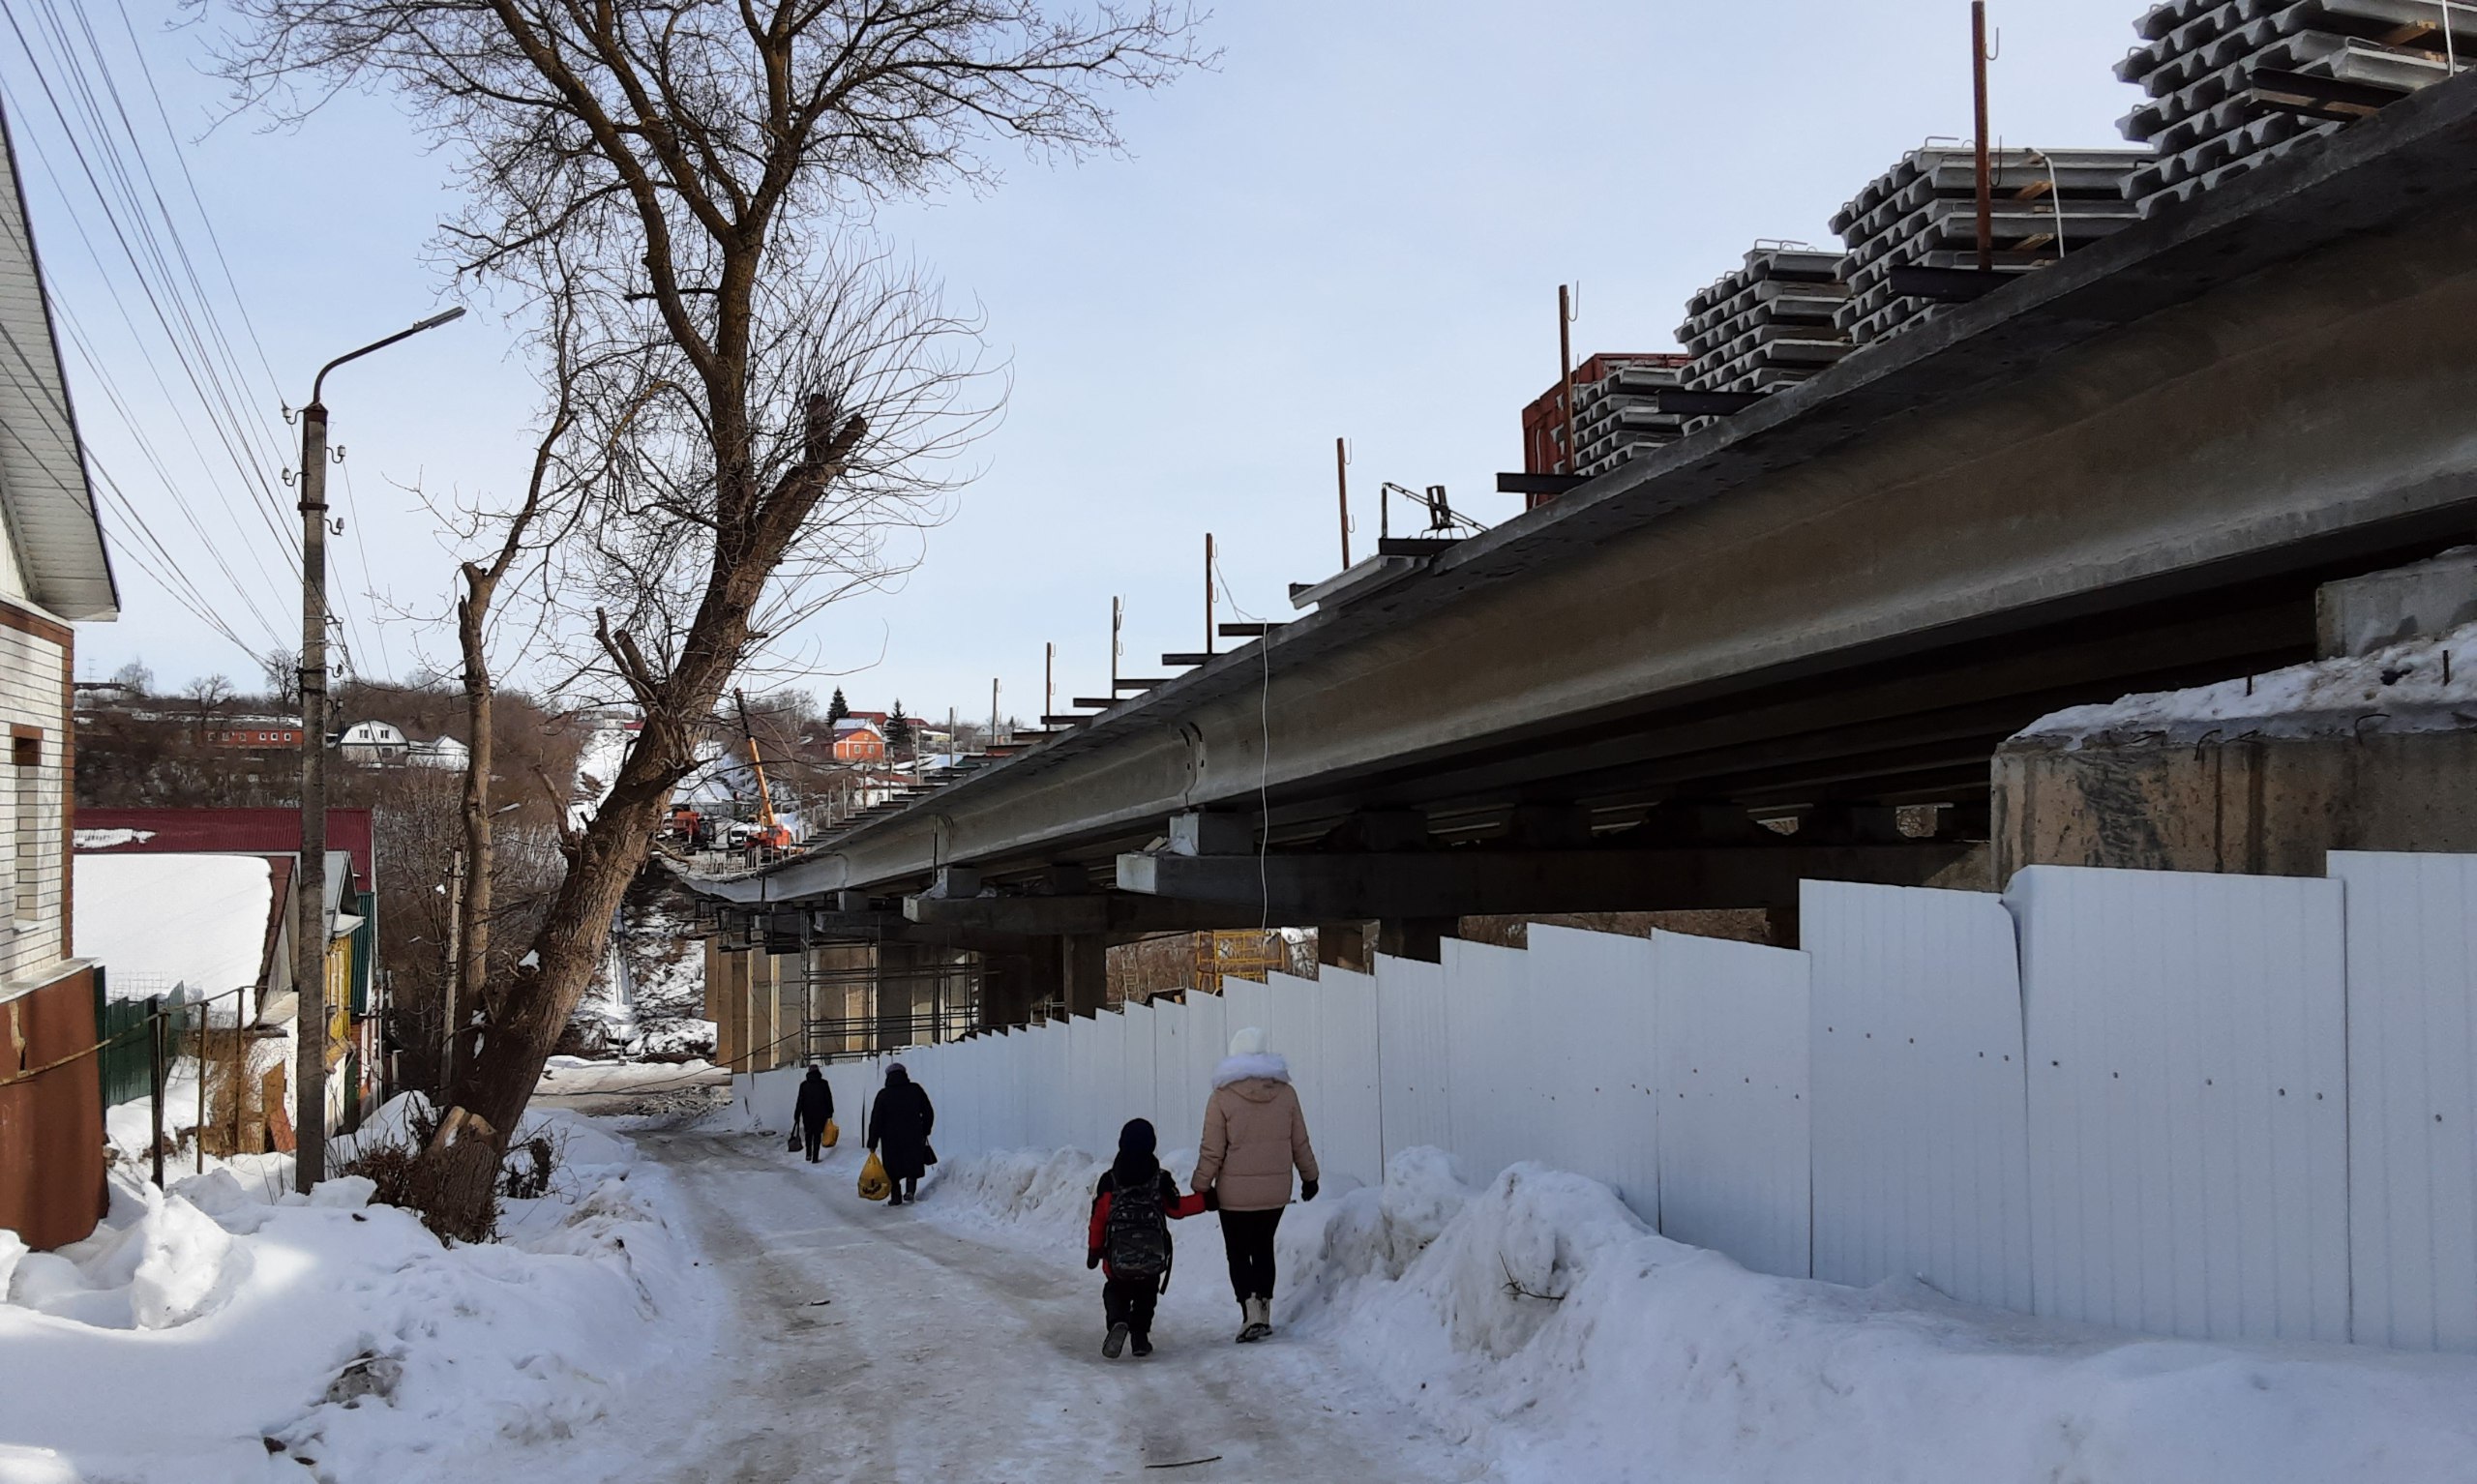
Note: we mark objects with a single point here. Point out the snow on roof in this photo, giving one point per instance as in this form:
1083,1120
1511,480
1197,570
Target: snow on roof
852,724
107,840
157,921
2421,685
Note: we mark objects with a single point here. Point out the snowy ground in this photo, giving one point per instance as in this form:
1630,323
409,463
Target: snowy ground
699,1303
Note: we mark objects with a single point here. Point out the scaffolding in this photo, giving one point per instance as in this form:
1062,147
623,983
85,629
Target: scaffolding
1244,952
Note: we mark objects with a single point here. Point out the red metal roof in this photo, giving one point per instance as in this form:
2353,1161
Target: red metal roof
254,831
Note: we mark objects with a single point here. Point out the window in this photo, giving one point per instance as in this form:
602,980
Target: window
24,877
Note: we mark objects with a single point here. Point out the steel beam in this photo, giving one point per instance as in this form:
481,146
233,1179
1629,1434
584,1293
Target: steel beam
1410,885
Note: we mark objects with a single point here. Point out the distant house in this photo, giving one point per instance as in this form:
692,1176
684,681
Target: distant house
53,572
859,741
443,753
197,902
373,744
256,732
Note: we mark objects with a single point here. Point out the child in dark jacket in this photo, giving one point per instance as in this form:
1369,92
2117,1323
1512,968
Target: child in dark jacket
1132,1208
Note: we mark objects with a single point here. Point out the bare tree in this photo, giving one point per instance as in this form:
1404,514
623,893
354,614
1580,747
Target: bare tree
283,670
210,694
703,172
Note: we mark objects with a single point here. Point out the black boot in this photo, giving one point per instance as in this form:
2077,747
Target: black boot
1142,1345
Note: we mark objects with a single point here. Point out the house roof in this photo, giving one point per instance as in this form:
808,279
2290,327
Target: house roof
157,921
43,493
258,831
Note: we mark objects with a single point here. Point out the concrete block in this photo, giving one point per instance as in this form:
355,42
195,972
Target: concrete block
2421,601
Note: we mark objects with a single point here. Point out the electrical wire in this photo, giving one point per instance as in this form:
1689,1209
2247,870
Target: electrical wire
1265,754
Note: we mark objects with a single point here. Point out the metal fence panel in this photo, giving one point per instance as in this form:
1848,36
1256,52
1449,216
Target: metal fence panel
1290,1024
2188,1123
1135,1085
2412,1098
1920,1096
1171,1113
1209,1029
1484,993
1734,1155
1592,993
1247,1002
1413,1061
1348,1120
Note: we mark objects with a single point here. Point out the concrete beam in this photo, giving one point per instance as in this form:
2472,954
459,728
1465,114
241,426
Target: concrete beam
2222,408
1434,884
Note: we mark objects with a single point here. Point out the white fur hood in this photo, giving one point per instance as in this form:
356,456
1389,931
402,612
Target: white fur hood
1238,1069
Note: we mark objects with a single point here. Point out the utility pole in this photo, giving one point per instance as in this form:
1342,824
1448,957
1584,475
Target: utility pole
993,715
310,877
1978,94
1565,371
1342,477
1049,682
1117,626
1208,594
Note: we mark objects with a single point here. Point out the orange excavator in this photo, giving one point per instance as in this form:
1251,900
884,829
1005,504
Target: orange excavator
771,833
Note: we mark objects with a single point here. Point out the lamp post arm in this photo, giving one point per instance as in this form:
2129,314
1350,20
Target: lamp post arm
432,323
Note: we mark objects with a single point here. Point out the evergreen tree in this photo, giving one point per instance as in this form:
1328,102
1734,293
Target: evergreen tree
898,733
837,709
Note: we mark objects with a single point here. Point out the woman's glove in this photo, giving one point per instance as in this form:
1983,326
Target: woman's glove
1213,1199
1308,1190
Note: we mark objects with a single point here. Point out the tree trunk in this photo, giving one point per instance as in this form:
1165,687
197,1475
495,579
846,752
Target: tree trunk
522,1027
474,944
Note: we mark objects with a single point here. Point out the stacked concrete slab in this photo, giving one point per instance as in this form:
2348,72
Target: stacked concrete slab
1768,325
1922,213
1619,417
2211,114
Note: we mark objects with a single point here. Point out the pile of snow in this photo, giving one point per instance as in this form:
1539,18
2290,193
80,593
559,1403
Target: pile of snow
1540,1322
2421,685
227,1330
158,921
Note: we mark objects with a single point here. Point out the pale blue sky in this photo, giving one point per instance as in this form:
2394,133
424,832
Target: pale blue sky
1355,226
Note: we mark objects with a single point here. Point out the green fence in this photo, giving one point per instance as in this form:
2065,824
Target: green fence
126,1061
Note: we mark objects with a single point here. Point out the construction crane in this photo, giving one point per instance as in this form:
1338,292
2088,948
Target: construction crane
771,833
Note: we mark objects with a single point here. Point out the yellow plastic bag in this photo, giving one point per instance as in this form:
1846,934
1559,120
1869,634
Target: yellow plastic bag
833,1132
874,1184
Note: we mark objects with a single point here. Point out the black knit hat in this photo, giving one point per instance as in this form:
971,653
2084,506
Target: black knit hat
1137,1138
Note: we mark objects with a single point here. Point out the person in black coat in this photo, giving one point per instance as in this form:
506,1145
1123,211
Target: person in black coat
899,1126
815,1107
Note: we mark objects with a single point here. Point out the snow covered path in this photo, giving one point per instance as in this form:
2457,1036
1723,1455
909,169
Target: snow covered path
871,1343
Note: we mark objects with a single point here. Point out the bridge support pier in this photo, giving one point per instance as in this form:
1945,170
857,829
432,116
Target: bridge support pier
1414,937
1083,960
1345,945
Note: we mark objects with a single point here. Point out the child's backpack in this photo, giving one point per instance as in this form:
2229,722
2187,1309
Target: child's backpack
1136,1241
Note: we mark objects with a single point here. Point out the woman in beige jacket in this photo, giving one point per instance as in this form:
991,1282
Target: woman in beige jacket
1253,1135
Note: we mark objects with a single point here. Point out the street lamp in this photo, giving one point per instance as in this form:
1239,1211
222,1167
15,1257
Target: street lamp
309,879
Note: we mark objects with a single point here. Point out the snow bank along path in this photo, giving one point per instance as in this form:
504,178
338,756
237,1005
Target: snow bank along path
934,1342
1538,1322
226,1332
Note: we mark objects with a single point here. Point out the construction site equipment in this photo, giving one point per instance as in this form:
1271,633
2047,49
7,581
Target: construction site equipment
2233,84
1246,953
771,834
1922,215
